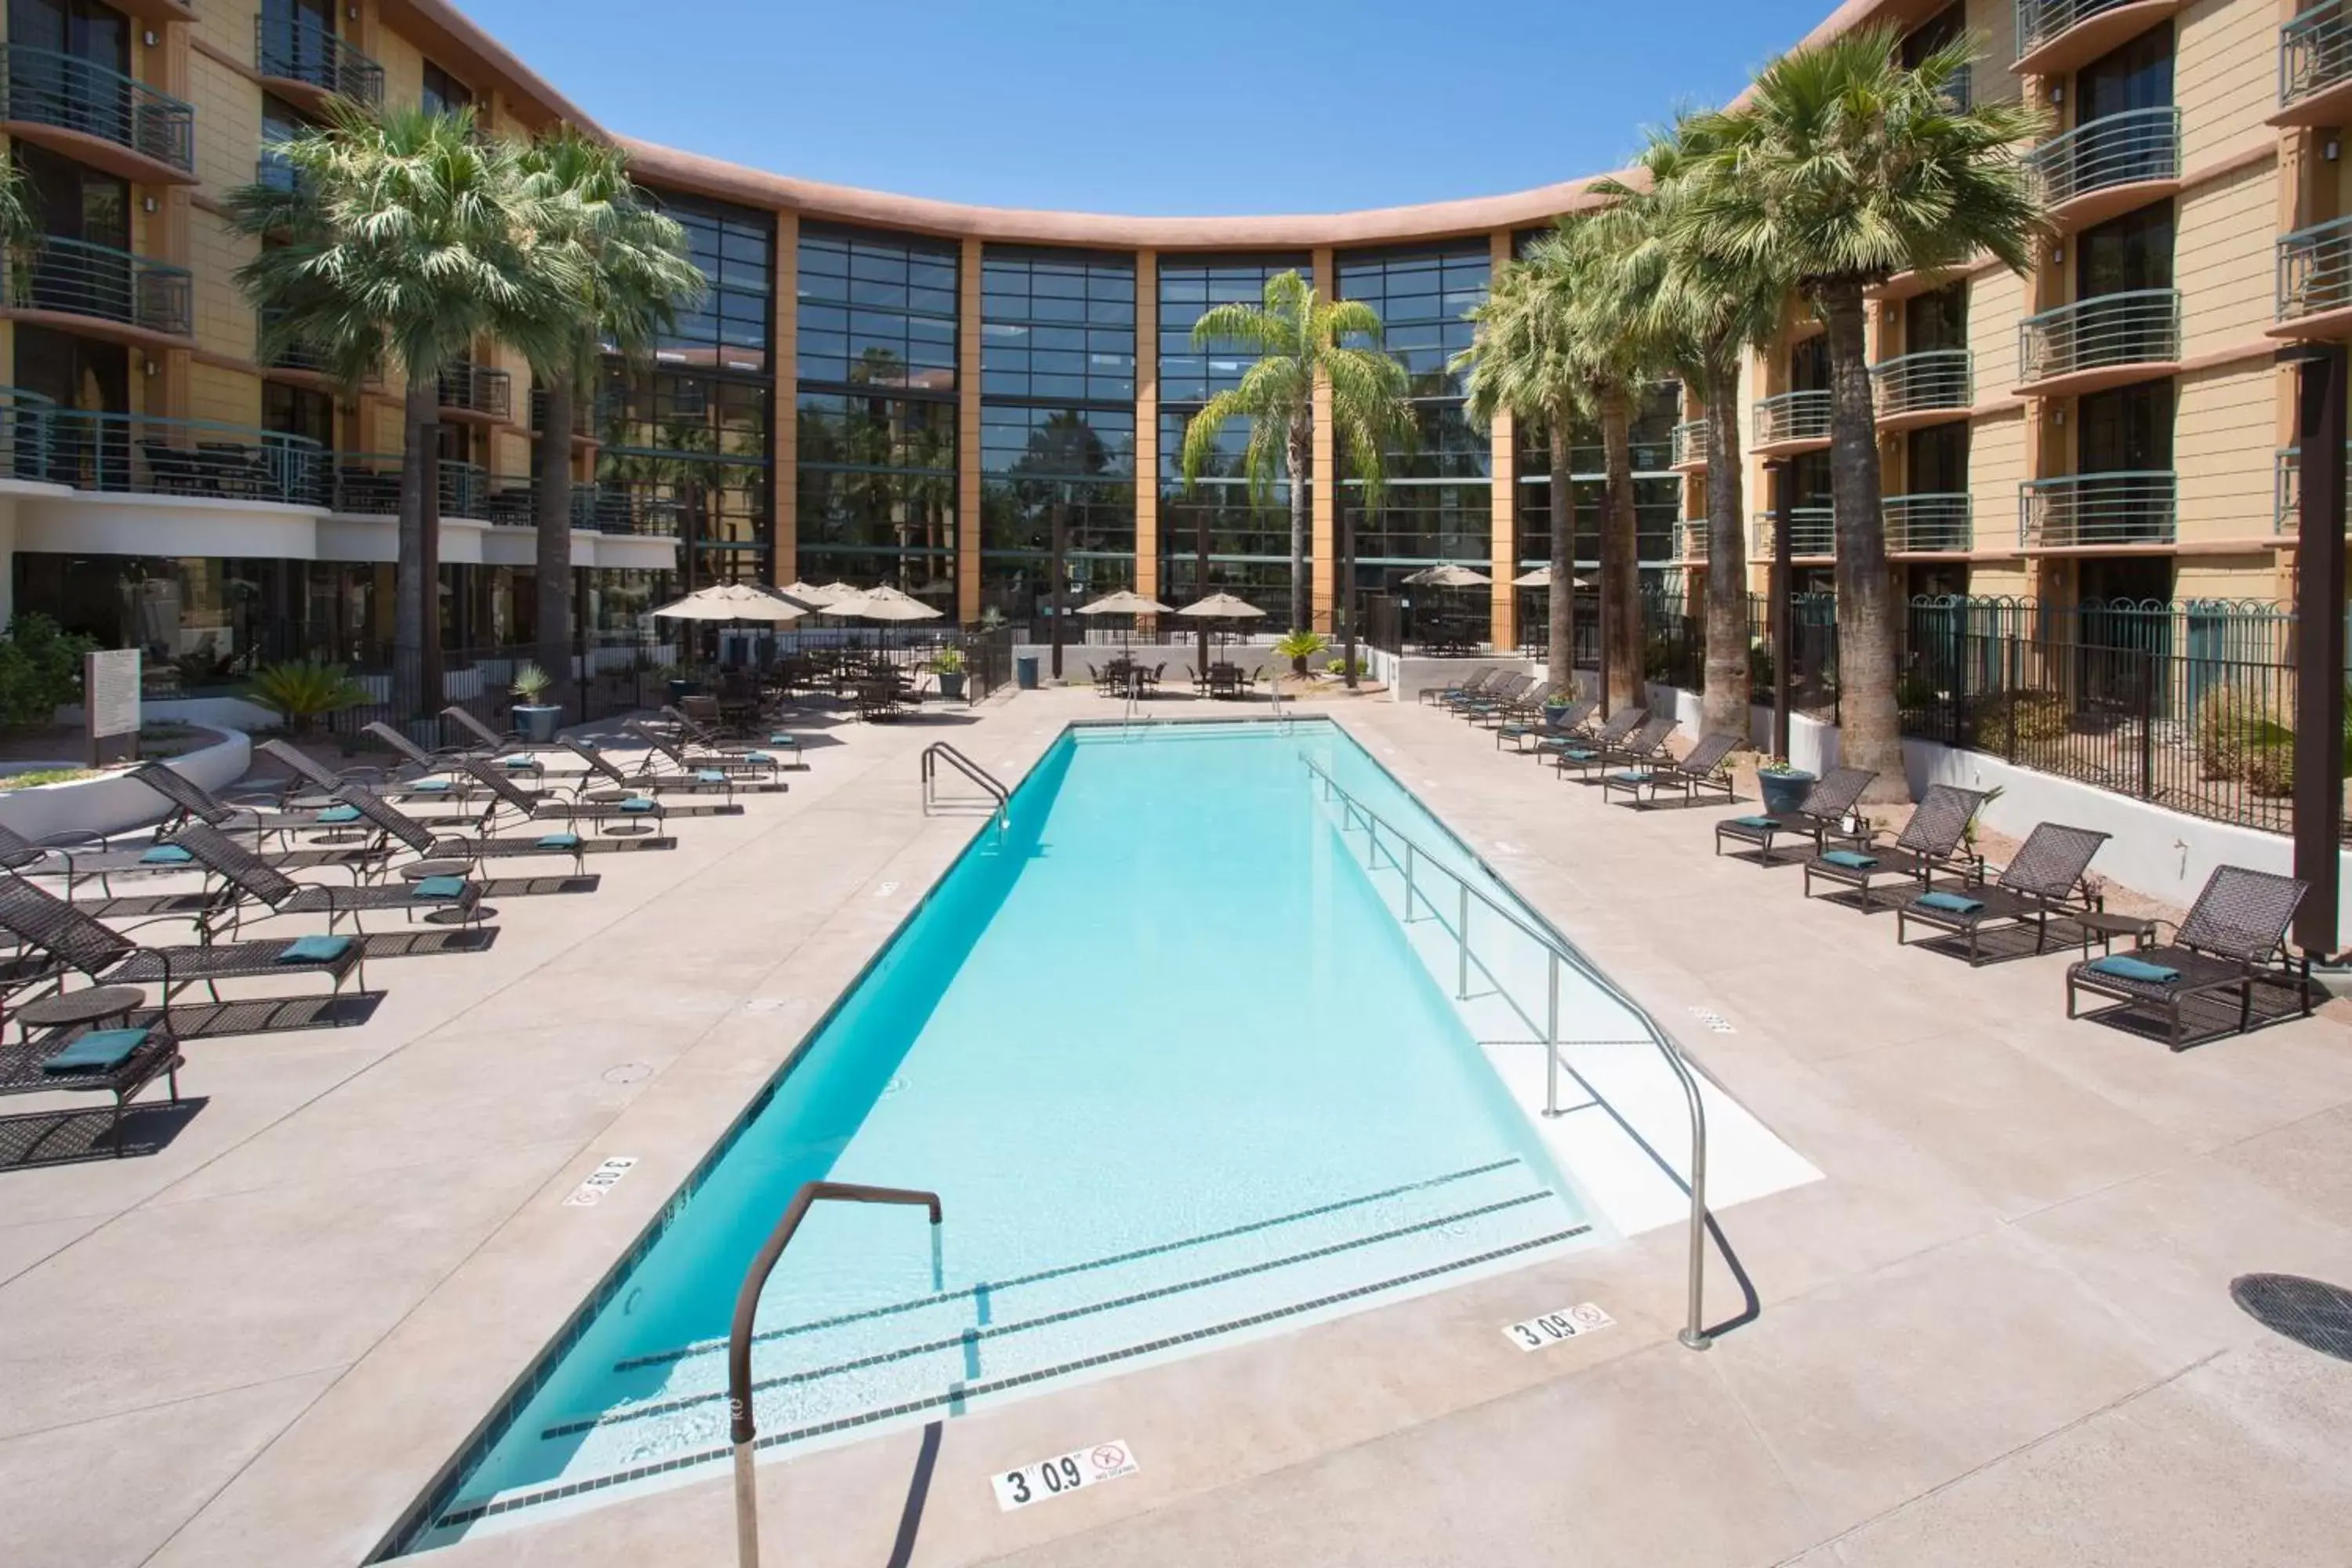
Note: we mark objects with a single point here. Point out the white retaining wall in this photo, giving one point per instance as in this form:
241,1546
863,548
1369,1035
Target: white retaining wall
115,802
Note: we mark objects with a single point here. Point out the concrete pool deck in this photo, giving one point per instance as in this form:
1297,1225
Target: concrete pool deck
1998,1331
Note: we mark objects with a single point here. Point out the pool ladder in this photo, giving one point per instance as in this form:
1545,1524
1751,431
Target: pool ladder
939,750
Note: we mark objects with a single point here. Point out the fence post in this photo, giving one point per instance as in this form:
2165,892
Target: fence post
2148,724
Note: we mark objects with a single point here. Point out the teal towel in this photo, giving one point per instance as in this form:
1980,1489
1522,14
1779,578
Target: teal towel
1852,860
637,802
430,786
1949,904
441,888
788,741
1634,777
2124,967
527,763
559,841
1576,754
97,1051
339,814
1761,824
166,855
315,950
709,776
761,757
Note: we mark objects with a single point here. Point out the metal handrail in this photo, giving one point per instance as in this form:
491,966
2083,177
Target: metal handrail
1929,381
1558,950
1812,532
1691,535
1793,416
969,769
75,278
2315,51
1690,442
2137,326
2287,489
295,49
741,1428
2125,507
2040,21
2314,270
44,87
2130,148
1928,521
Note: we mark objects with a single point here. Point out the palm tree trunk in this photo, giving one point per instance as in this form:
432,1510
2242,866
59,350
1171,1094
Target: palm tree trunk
1869,726
1619,568
555,520
1724,705
1562,633
1302,467
413,594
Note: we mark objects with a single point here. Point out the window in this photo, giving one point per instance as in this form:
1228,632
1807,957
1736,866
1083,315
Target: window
444,93
81,28
1937,460
1937,319
2134,251
1941,31
1657,488
280,121
1809,364
298,410
2127,429
1057,325
877,311
2137,76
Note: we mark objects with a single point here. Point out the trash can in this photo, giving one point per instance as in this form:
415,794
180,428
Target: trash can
1025,670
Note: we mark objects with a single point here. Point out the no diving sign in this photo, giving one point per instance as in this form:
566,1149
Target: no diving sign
1063,1473
599,1181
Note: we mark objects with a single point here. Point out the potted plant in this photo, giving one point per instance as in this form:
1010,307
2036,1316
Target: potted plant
948,665
1782,784
536,719
1300,646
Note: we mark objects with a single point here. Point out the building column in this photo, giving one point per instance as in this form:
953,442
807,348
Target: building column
1325,496
784,426
968,435
1146,424
1503,530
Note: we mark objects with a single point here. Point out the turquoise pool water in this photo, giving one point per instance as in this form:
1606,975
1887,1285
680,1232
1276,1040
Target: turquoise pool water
1166,1056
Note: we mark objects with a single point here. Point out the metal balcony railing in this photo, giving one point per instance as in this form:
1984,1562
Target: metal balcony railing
1932,520
1812,532
2127,148
2127,507
25,419
272,170
140,454
1931,380
2314,270
79,279
295,49
43,87
2039,21
2141,326
293,356
477,389
368,484
583,412
2314,52
1690,541
1690,443
2288,488
1793,417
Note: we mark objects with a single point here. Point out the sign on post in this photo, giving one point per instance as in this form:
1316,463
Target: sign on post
110,705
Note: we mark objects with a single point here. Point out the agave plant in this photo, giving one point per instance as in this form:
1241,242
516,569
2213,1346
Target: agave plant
530,683
302,691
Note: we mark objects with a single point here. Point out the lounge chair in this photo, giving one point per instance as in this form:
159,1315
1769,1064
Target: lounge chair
120,1062
2233,938
697,738
428,766
1492,703
75,941
1703,769
486,742
1550,726
303,768
254,880
758,768
1495,682
1931,842
640,813
1819,817
1636,753
81,856
618,785
1612,733
2045,879
430,844
190,802
1472,681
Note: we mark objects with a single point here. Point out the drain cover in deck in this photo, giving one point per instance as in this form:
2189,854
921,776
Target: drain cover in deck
2311,1312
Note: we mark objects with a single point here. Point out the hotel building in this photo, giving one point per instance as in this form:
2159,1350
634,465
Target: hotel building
887,388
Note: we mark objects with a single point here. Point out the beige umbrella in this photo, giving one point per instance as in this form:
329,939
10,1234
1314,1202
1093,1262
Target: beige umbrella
1448,576
1124,603
1222,606
732,601
883,604
1542,578
806,593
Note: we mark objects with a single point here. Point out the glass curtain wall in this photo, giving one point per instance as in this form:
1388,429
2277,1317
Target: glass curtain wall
1657,488
1056,425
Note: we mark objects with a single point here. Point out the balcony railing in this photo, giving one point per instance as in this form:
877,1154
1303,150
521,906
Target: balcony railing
1927,523
1793,417
295,49
2314,270
2314,52
1924,383
2039,21
272,170
25,419
1690,540
2127,148
1812,532
2139,326
583,413
368,484
43,87
1690,444
511,501
79,279
2288,503
2131,508
477,389
142,455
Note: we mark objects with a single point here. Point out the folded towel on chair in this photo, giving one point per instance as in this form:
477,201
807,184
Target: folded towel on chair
96,1051
2122,966
1852,860
166,855
315,950
1949,904
441,888
1761,824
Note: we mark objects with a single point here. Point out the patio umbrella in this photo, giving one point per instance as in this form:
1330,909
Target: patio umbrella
883,604
1542,578
1448,575
1124,603
732,601
1218,608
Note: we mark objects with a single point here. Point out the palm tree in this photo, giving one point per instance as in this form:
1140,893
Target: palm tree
397,240
1302,341
619,275
1841,169
1525,360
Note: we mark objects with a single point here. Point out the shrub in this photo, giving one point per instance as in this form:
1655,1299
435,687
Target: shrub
947,662
40,670
1299,646
531,684
2230,730
2039,718
302,691
2270,770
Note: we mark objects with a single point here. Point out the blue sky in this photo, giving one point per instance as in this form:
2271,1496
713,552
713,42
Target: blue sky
1212,106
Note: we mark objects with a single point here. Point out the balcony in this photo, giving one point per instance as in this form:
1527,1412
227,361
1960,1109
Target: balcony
1813,533
97,116
477,393
367,484
1792,422
583,415
2314,282
97,289
2315,66
1690,446
2105,340
2288,488
136,454
300,60
1690,541
1925,388
2080,511
1930,524
2057,35
2107,166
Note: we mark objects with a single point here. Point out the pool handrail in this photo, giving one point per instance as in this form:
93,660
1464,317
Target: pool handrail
970,770
741,1429
1558,951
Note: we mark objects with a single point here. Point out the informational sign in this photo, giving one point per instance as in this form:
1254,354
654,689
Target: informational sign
600,1180
109,704
1061,1474
1556,1328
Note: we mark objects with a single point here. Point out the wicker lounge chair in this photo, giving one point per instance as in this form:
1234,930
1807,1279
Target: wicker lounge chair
1550,726
744,768
1819,817
642,813
120,1062
430,844
1612,733
1929,843
426,766
1494,686
75,941
2231,939
1472,681
604,781
2045,879
304,769
1493,702
697,738
80,856
484,741
1703,769
1635,754
190,802
255,881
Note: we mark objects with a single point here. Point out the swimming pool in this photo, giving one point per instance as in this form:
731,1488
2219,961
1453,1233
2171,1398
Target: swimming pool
1174,1066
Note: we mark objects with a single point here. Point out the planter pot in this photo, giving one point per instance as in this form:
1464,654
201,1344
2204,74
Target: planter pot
680,691
1783,792
536,721
950,685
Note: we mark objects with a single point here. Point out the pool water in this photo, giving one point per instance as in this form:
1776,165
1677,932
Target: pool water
1164,1052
